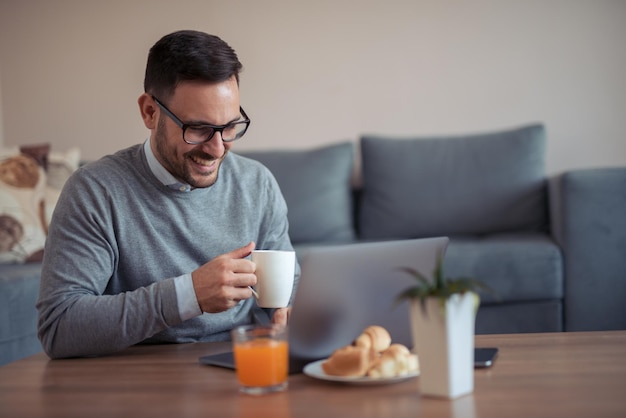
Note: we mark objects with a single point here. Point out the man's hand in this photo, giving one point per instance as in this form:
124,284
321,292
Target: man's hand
281,316
222,282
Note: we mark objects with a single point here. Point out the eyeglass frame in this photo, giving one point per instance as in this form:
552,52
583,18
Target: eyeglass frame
216,128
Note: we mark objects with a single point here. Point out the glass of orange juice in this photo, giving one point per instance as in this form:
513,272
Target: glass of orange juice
261,358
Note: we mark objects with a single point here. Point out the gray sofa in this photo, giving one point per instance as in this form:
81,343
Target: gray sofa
553,248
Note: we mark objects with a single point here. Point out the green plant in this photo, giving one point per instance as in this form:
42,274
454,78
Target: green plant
439,287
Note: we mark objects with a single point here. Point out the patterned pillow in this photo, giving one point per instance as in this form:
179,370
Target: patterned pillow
28,194
22,205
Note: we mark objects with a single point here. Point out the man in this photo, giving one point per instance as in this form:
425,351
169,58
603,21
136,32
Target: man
150,244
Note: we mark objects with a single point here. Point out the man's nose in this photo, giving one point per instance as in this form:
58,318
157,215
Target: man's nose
215,146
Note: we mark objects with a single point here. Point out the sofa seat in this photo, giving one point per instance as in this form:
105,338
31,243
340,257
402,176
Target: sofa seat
19,288
525,272
518,268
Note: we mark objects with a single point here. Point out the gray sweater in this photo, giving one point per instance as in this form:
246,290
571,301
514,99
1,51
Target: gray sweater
118,237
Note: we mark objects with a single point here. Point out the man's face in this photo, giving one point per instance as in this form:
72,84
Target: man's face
196,102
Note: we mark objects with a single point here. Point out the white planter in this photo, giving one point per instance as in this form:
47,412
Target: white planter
443,339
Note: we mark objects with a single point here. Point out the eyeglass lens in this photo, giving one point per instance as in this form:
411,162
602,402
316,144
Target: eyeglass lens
230,132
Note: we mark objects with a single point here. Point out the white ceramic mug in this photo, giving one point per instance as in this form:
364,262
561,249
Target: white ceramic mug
274,273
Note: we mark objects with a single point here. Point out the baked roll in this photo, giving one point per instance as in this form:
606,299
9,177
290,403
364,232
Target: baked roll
396,360
374,337
371,354
348,361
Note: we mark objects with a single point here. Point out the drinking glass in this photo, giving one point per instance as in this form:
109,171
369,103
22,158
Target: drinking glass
261,358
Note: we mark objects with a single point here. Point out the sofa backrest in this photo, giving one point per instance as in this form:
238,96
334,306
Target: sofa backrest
414,187
463,185
316,185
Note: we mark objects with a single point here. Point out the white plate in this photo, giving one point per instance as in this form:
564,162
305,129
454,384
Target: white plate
315,370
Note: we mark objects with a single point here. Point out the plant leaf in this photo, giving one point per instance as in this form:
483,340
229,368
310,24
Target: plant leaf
438,273
417,275
439,287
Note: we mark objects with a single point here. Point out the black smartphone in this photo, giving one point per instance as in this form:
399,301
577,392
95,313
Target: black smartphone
484,356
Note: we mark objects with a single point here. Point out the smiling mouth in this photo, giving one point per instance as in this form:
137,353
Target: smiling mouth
206,162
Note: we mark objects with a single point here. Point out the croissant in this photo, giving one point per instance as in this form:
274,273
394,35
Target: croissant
396,360
375,337
373,355
349,361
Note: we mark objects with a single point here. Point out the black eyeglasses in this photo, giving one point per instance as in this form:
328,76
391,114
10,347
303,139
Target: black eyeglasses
195,133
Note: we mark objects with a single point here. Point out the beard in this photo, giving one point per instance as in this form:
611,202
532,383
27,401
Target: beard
181,166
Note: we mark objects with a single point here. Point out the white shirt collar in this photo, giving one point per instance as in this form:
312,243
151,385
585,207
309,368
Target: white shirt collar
161,173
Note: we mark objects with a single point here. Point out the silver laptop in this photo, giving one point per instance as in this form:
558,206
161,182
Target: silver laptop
345,288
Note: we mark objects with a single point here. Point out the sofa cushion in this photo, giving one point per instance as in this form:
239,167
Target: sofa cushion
316,185
462,185
540,316
518,267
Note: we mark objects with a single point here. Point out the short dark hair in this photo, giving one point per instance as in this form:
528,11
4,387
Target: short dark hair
188,55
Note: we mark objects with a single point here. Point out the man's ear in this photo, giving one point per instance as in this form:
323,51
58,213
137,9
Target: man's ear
147,107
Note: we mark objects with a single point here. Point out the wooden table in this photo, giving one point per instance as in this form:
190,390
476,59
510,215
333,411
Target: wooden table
535,375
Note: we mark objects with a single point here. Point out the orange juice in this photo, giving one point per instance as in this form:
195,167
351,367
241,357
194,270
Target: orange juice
261,361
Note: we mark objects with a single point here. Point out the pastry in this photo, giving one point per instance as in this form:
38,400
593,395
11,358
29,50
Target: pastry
371,354
397,360
375,337
348,361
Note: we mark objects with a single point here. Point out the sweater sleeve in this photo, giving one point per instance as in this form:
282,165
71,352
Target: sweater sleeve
76,316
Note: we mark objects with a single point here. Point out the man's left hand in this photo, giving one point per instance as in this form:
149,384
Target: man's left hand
281,316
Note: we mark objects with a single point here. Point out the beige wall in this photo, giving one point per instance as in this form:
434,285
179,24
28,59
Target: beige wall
322,71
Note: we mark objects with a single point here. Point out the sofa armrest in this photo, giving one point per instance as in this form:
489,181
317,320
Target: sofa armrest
588,218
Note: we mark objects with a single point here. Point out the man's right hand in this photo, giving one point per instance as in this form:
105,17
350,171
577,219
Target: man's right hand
222,282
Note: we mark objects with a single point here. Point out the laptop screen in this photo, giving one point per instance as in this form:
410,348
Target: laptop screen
344,289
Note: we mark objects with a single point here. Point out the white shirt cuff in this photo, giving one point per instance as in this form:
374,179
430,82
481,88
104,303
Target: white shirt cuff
188,306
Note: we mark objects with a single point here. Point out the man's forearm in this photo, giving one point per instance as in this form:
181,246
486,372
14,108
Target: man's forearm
88,325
